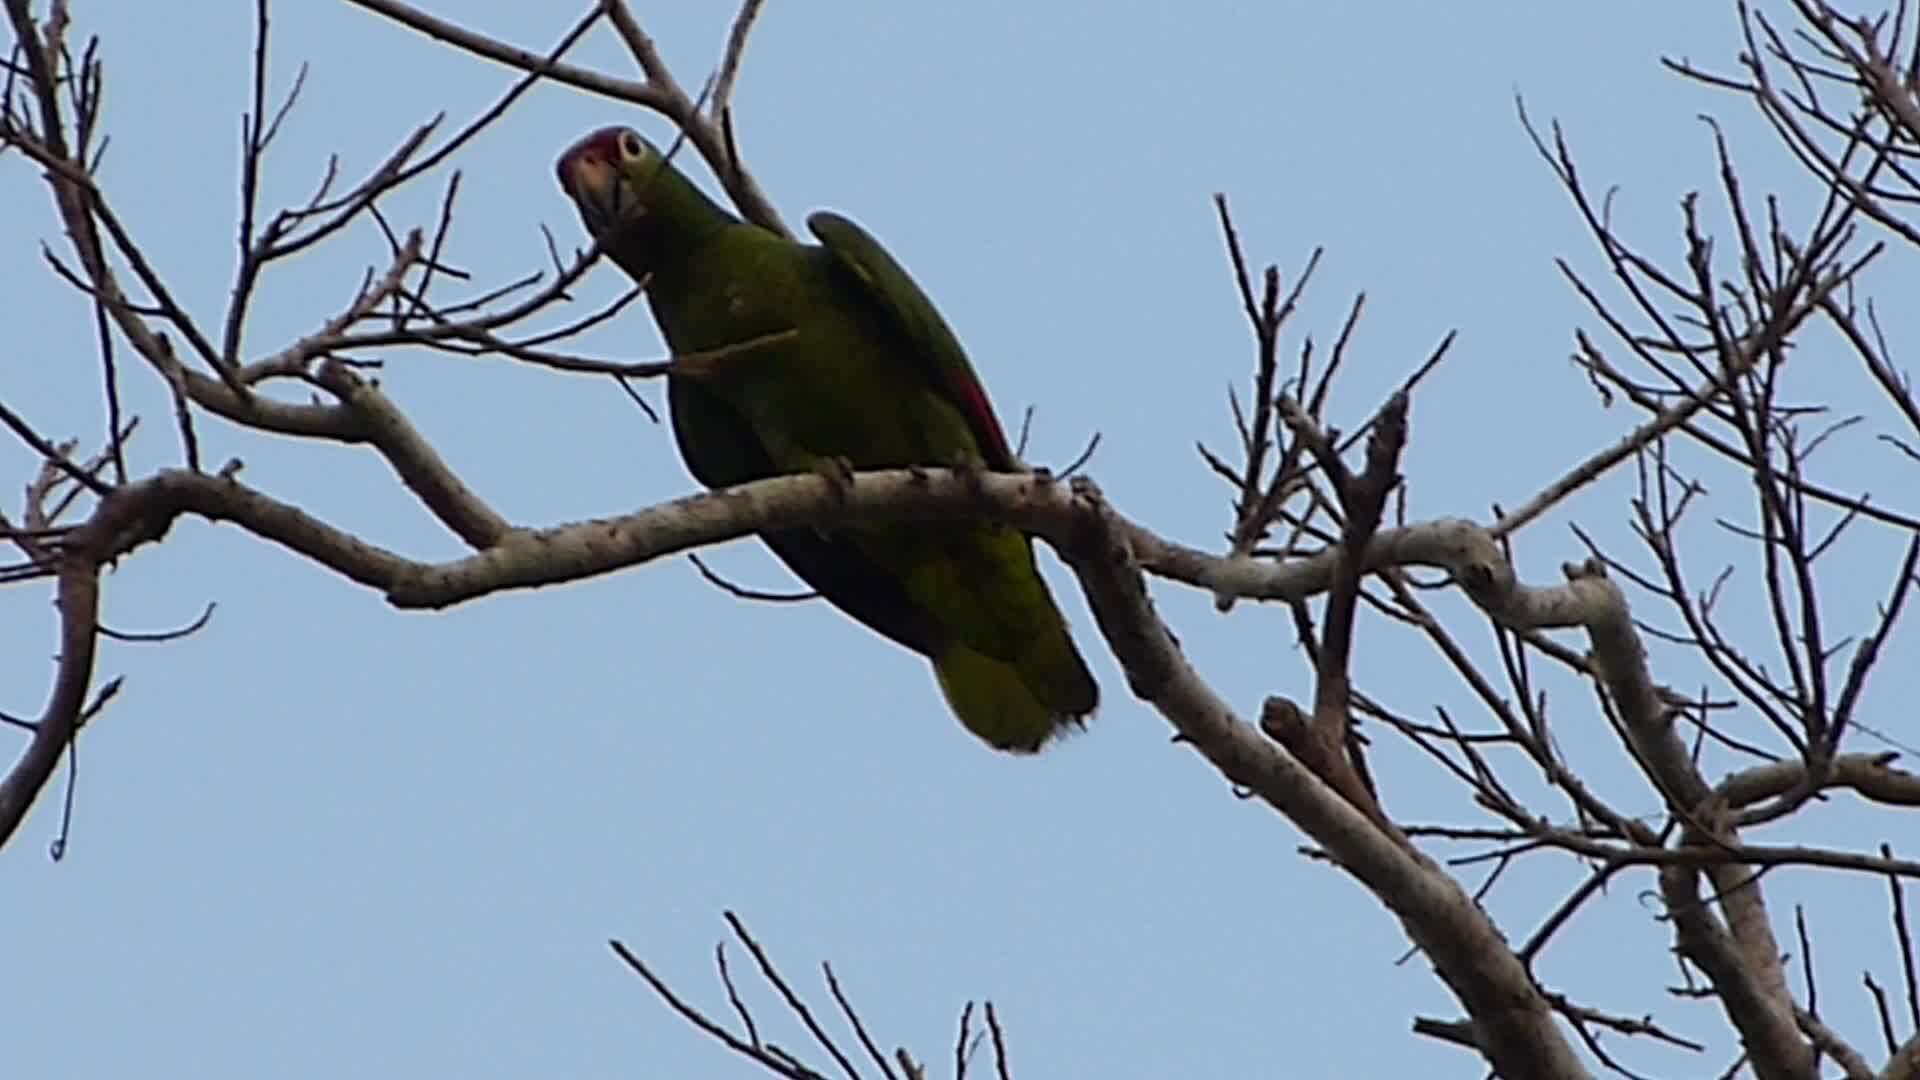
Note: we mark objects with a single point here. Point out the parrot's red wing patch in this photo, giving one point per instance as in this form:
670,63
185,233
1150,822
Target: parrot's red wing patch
979,413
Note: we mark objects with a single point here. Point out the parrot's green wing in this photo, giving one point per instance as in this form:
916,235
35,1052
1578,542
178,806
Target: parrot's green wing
887,284
728,453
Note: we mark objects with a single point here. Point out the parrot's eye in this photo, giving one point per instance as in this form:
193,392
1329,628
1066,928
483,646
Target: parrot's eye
630,144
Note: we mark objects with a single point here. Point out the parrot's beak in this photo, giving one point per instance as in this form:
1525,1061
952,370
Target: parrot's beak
595,186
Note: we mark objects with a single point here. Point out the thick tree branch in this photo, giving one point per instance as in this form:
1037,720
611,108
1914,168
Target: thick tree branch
1514,1027
1768,1030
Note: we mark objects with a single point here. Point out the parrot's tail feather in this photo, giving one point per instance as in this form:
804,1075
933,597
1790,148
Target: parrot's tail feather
1018,707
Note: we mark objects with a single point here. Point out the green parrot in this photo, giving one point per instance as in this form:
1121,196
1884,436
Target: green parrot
858,370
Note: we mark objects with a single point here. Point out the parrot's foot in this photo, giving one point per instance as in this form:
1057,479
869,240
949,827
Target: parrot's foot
918,474
972,473
837,472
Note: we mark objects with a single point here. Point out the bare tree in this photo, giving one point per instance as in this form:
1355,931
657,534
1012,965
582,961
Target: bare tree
1700,351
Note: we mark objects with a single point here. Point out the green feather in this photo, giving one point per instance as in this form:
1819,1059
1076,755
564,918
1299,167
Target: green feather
869,374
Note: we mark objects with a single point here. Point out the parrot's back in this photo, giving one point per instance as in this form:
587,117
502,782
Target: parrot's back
847,386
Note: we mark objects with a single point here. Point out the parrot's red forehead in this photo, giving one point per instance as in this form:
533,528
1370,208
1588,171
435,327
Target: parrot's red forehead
603,145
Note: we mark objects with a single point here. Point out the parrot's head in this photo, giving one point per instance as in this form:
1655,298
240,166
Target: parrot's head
605,173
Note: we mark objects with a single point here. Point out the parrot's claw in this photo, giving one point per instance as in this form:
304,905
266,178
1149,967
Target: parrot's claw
837,472
972,473
918,474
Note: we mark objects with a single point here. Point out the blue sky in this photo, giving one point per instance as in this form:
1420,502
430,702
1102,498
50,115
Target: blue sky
323,836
